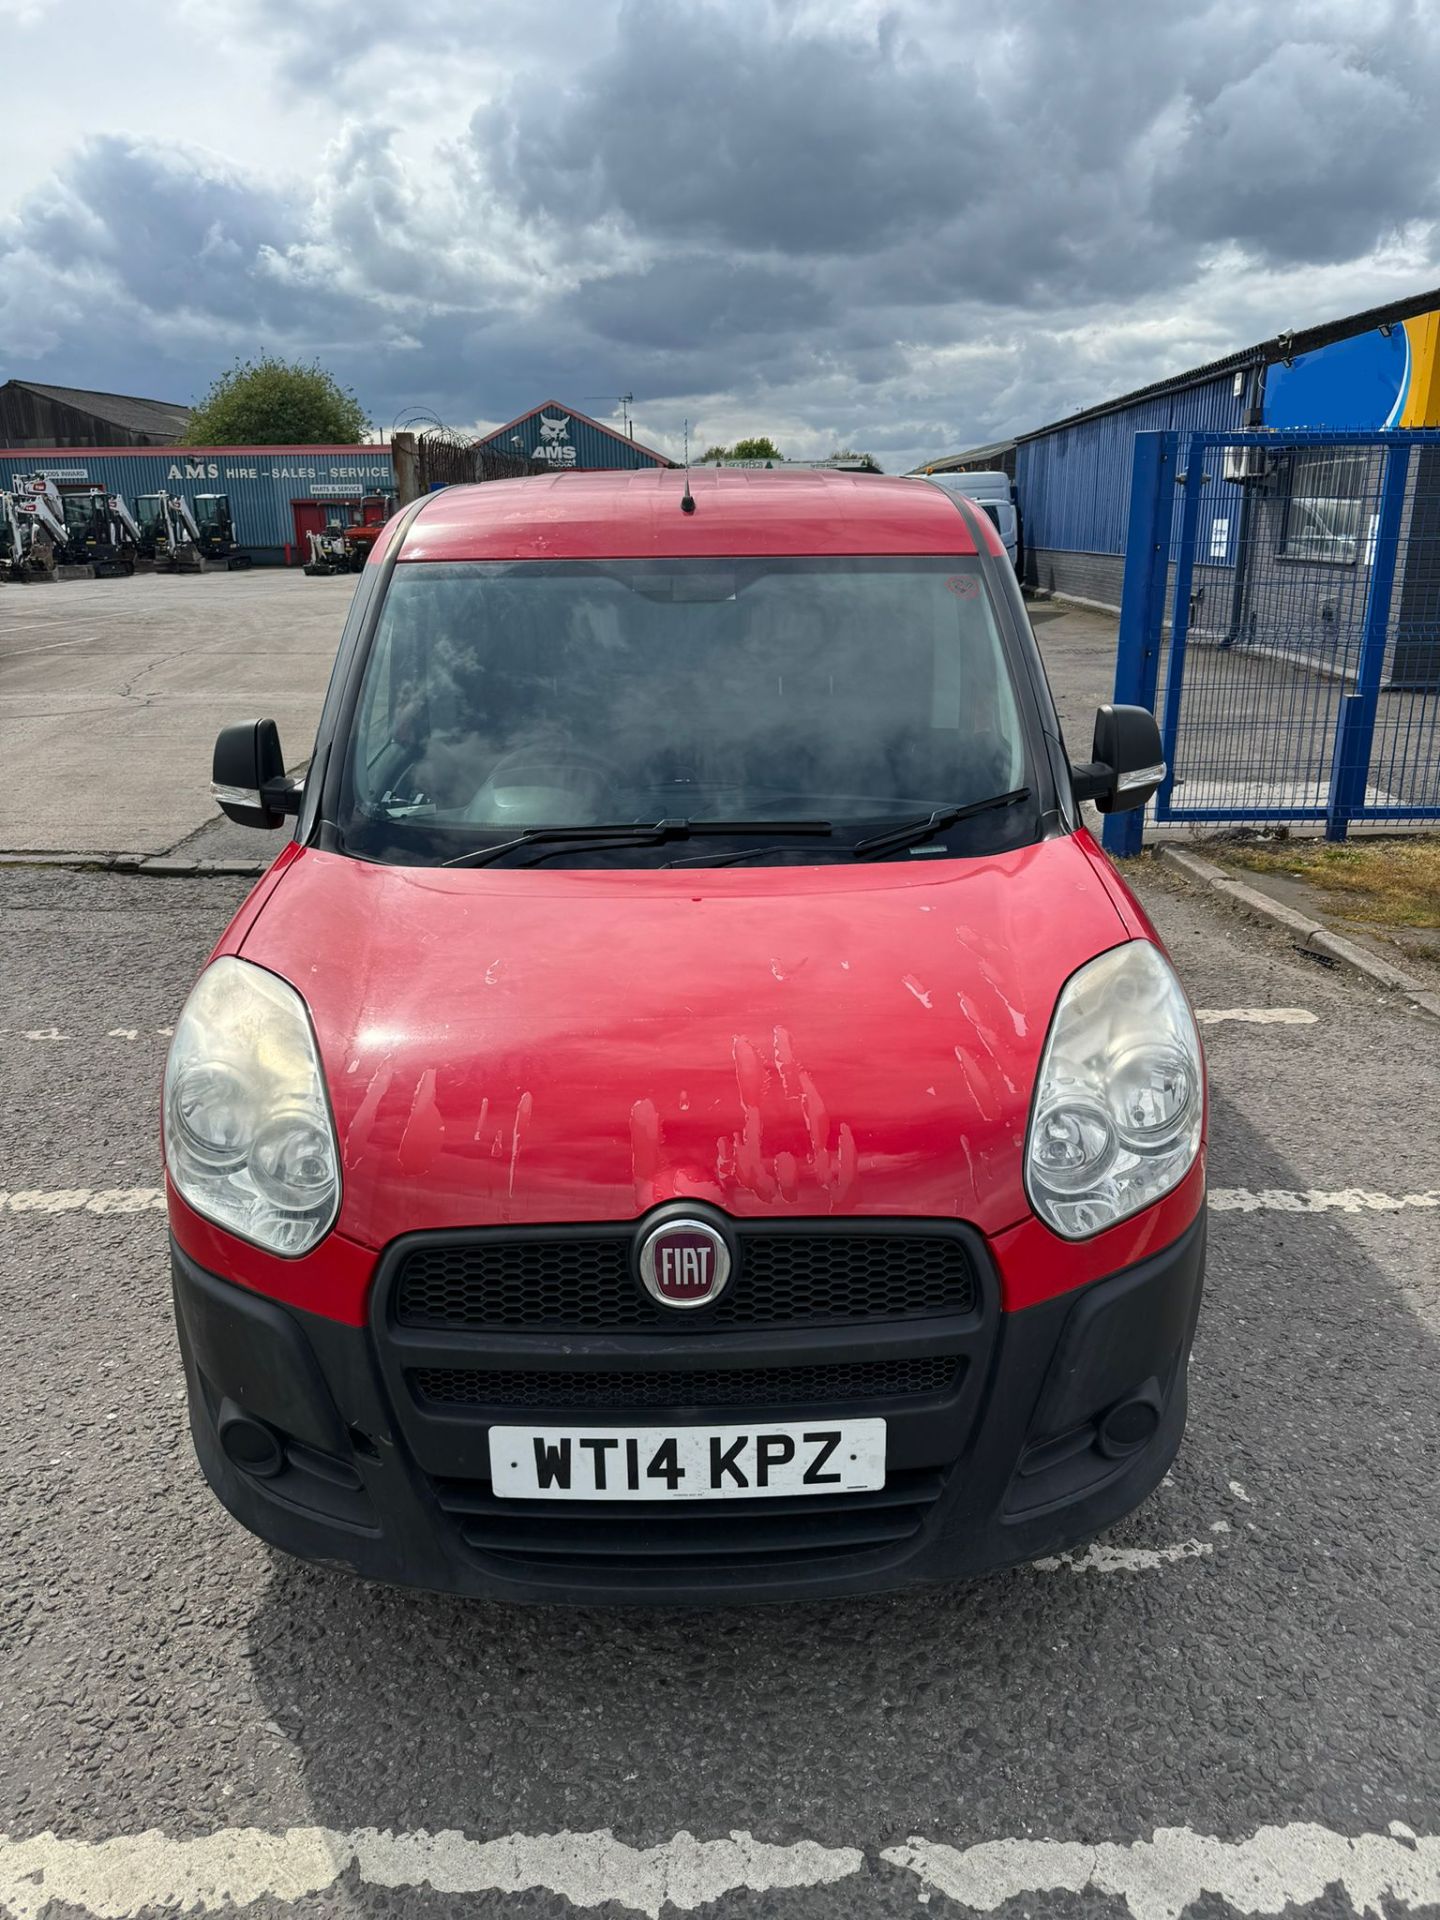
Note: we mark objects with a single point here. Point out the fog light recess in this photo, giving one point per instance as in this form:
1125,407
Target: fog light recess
250,1444
1129,1424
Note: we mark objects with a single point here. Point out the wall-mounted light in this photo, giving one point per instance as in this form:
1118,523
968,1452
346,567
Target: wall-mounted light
1386,329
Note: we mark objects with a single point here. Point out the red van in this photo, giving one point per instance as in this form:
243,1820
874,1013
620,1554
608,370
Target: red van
691,1114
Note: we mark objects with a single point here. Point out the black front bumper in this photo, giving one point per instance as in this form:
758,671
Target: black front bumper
1029,1433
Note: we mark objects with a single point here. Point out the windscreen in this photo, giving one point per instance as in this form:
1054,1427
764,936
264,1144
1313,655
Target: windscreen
503,697
79,511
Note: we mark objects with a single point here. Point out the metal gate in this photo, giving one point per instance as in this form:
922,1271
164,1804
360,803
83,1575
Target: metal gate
1281,614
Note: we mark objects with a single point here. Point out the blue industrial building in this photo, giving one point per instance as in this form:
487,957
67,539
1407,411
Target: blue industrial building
558,438
277,494
1370,371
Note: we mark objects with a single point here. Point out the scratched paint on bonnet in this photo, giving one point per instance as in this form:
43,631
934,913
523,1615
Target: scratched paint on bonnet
612,994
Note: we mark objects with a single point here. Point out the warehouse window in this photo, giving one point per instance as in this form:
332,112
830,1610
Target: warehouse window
1328,506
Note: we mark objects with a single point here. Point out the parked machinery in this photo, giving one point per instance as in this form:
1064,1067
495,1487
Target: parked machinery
37,541
95,536
12,538
152,522
183,551
215,531
47,527
129,526
374,510
343,548
177,535
328,552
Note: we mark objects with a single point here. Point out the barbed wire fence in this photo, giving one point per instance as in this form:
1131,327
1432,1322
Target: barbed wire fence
446,457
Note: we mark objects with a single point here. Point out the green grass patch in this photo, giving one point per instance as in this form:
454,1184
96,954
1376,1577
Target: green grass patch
1391,883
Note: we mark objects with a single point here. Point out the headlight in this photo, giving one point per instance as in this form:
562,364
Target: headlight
248,1136
1120,1097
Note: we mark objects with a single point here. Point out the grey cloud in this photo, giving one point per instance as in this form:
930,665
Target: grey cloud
1051,155
907,235
1310,156
691,300
728,125
202,230
319,50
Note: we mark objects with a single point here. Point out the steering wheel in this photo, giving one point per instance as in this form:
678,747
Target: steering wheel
547,766
543,781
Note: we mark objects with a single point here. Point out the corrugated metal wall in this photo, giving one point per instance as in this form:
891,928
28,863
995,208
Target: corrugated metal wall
1074,481
263,483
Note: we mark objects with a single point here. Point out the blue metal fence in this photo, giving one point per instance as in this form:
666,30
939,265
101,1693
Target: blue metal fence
1281,614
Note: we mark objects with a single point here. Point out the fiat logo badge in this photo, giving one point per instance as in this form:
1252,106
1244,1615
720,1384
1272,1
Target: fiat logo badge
684,1263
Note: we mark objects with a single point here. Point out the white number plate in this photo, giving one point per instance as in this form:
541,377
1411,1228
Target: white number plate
687,1463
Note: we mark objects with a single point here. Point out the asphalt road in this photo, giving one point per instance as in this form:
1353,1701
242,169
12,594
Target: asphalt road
1257,1648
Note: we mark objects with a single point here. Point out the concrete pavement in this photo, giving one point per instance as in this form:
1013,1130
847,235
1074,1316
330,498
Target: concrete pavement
112,692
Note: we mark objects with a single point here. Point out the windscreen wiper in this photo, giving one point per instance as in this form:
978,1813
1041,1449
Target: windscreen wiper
912,833
742,854
628,834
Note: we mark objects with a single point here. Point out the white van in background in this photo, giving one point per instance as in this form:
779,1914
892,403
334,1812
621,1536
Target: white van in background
995,494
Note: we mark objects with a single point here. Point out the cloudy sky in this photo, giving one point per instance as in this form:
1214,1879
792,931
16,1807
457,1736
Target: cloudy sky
907,227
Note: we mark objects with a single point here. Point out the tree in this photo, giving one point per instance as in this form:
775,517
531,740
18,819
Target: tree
276,403
714,453
761,447
868,462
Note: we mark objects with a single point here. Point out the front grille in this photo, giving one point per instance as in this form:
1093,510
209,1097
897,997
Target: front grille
583,1282
687,1388
687,1536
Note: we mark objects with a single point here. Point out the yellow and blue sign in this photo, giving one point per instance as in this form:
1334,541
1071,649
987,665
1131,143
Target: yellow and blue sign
1387,377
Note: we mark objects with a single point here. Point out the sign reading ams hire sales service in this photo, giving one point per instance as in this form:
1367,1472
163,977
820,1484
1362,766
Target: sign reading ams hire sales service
377,471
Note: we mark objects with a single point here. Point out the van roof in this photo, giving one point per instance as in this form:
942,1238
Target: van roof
983,480
631,515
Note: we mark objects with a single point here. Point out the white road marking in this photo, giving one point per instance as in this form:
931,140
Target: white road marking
1222,1199
1316,1200
147,1871
1098,1558
83,1200
1159,1878
1257,1016
111,1033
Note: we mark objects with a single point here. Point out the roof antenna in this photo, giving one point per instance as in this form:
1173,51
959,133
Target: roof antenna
687,499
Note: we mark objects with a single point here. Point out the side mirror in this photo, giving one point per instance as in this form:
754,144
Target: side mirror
1127,763
248,776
